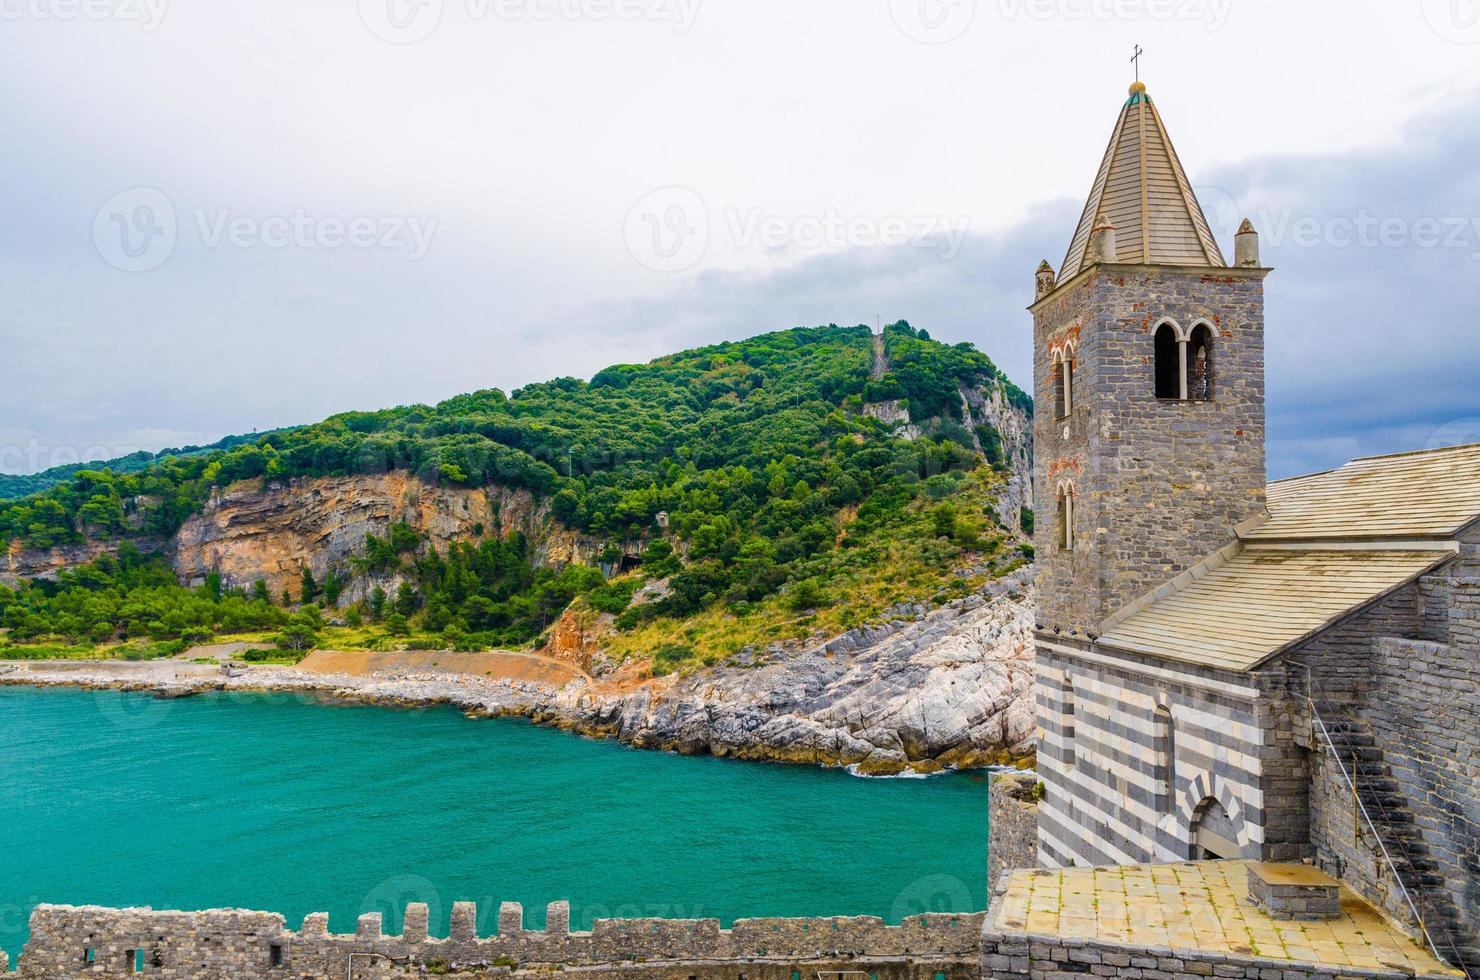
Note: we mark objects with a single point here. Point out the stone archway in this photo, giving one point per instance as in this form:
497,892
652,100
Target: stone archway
1214,833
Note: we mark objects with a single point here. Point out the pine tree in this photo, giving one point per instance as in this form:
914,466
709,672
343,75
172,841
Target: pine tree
310,586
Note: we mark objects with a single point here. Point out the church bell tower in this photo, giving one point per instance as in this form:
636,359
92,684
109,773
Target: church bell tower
1149,387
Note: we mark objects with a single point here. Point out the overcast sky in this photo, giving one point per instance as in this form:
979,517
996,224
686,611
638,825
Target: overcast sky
227,217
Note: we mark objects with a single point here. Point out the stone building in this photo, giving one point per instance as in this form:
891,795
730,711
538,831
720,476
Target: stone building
1229,668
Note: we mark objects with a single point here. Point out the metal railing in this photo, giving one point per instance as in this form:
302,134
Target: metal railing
1318,724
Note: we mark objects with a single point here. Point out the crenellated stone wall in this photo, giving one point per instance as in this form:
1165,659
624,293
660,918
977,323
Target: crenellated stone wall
92,942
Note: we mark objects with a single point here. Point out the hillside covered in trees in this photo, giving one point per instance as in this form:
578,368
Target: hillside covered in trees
746,481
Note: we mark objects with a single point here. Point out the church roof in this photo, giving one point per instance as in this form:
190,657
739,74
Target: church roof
1143,190
1264,600
1334,543
1429,494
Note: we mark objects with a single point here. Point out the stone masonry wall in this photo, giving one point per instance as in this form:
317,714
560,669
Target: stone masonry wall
1158,484
1341,849
1013,825
1040,957
1425,712
1340,659
1117,791
1344,677
1420,699
95,942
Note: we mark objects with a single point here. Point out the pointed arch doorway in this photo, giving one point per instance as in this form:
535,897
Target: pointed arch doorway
1214,836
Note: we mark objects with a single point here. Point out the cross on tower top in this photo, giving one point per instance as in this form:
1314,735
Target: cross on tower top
1136,60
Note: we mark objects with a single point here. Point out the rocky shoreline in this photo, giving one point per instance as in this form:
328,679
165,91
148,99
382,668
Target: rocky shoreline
930,690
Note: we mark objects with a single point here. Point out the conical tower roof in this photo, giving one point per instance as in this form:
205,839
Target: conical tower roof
1143,191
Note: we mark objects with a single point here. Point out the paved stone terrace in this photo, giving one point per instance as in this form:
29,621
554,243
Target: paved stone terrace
1200,906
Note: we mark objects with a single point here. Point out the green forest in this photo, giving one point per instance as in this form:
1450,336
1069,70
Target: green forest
779,493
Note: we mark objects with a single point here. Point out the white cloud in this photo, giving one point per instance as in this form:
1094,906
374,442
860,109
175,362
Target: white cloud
529,139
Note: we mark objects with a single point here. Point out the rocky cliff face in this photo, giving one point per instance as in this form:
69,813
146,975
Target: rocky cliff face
18,563
1015,427
248,532
948,688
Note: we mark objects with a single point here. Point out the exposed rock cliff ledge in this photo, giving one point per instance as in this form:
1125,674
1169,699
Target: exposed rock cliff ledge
950,688
247,532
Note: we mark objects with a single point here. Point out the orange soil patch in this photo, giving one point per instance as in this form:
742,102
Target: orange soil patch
498,664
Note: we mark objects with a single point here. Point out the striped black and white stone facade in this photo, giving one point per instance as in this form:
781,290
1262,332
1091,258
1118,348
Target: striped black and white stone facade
1146,761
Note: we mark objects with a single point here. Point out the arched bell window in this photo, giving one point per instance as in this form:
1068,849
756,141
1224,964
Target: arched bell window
1200,363
1183,362
1168,362
1062,362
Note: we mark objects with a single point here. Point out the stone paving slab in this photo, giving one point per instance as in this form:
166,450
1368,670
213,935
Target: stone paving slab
1201,905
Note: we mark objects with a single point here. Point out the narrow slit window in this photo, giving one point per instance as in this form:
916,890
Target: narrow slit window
1069,748
1063,385
1066,519
1166,757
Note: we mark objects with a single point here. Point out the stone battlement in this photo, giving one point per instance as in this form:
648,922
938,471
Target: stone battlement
231,944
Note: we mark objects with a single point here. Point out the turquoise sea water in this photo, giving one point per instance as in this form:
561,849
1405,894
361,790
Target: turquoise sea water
273,802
